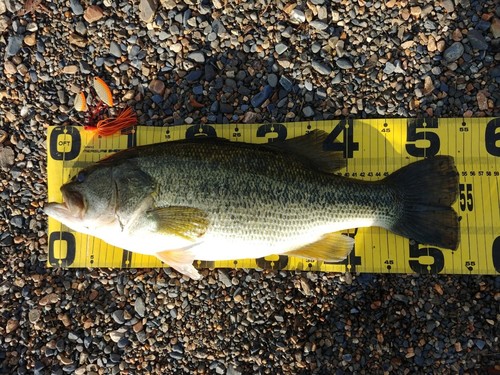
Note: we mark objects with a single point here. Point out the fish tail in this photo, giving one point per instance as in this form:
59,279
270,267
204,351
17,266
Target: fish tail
428,188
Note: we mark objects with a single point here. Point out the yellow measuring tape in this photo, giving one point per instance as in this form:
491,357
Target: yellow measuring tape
374,149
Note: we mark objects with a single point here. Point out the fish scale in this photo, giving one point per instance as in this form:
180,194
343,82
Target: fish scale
263,206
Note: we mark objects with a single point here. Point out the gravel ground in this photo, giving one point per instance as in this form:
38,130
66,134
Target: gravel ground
231,62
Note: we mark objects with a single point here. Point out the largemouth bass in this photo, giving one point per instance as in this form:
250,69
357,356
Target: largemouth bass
212,199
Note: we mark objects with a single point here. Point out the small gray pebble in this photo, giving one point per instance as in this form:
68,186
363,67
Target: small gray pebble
321,68
453,52
318,25
76,7
480,344
17,221
316,47
280,48
211,36
224,279
114,49
140,307
81,28
85,67
338,78
389,68
272,79
198,90
176,355
163,35
476,40
72,336
14,44
344,63
297,16
118,316
197,56
308,111
286,83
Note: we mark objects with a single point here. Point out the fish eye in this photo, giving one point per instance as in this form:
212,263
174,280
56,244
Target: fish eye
80,177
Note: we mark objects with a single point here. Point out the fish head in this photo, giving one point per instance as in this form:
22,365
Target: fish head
88,201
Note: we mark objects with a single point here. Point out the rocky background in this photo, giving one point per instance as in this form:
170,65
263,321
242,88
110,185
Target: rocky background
235,61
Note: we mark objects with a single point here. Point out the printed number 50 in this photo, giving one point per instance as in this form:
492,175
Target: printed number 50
428,260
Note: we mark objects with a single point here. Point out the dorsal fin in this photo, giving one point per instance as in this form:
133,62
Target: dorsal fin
311,147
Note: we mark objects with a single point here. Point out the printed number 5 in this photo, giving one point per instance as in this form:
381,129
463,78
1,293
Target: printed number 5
428,260
424,134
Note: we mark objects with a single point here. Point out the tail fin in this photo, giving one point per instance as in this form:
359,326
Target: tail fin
428,188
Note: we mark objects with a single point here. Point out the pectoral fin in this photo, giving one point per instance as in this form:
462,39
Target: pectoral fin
185,222
181,261
332,247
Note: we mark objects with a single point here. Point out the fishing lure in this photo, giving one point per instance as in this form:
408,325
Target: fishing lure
96,119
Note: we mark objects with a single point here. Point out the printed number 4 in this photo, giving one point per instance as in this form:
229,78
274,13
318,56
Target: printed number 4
347,146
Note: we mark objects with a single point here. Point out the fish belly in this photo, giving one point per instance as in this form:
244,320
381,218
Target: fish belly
224,246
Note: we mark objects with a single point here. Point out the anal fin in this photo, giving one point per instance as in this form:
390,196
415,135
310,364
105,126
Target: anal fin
181,261
332,247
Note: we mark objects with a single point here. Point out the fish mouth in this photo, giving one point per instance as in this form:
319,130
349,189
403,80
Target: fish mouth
73,201
72,207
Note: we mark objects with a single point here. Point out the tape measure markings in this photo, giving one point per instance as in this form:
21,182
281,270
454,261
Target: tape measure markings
418,138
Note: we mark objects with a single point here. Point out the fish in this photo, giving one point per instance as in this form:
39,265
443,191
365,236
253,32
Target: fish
211,199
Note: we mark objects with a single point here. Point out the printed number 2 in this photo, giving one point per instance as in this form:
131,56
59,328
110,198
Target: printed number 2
419,130
428,260
466,202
